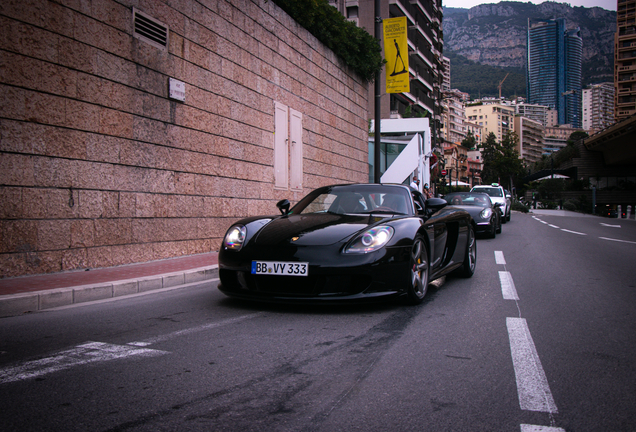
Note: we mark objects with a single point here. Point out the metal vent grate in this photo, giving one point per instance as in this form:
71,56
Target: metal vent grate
150,30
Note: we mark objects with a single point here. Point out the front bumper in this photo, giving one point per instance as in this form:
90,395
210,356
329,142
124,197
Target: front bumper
332,277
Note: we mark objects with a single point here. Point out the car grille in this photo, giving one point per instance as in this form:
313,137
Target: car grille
310,286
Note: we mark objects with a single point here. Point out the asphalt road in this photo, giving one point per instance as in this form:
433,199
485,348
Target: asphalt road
542,338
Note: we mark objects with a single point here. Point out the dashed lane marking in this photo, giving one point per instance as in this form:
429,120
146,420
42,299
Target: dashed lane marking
532,385
617,240
573,232
536,428
508,289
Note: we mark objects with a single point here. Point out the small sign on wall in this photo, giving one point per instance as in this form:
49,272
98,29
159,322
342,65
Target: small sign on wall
177,89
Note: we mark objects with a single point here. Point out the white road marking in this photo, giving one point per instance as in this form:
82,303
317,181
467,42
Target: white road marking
89,352
553,226
617,240
532,385
93,352
162,338
535,428
572,232
611,226
508,289
499,258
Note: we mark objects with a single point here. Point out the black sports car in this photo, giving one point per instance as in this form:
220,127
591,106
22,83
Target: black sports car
486,214
347,242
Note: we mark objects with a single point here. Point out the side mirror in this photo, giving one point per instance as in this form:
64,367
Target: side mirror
433,205
283,206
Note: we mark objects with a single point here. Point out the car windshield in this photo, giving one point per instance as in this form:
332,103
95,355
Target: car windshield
357,199
491,191
469,199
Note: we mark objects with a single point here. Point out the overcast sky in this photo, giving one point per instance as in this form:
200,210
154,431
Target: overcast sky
605,4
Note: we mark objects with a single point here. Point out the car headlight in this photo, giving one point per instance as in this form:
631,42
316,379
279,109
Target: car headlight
486,213
235,237
370,240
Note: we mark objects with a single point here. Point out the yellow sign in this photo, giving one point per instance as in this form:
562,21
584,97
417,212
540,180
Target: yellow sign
396,51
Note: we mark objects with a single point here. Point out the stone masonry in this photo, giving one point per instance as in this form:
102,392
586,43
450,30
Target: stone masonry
99,167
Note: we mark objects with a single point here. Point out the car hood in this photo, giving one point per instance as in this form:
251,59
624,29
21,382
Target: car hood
312,229
472,210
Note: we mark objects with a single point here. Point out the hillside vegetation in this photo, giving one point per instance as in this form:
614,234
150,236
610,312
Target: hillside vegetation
483,80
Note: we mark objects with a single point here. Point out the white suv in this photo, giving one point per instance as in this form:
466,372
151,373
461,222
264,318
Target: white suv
497,194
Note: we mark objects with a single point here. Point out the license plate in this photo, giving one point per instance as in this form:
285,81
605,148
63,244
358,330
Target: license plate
280,268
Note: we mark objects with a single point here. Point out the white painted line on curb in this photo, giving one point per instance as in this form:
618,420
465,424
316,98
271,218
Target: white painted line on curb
508,289
535,428
89,352
532,384
499,258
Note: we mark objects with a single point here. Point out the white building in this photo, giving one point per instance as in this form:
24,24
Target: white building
598,107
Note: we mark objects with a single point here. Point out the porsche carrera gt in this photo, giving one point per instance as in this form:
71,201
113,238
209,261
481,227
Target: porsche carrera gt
345,243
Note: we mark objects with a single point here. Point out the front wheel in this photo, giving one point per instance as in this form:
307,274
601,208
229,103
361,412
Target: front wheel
419,270
470,257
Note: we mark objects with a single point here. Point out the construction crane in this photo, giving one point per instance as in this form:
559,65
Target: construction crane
501,83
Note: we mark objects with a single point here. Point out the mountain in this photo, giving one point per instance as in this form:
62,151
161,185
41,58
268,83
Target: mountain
495,35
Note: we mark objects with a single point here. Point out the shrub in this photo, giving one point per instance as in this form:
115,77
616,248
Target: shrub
570,205
518,206
354,45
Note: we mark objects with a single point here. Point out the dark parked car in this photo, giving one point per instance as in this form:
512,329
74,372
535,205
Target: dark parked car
609,211
347,243
485,213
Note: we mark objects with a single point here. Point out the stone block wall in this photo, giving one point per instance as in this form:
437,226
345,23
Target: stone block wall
99,167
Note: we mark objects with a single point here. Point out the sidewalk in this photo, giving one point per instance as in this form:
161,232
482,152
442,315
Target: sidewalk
32,293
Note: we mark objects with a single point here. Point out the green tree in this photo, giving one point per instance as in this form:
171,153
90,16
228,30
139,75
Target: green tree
509,166
469,142
489,154
577,135
501,160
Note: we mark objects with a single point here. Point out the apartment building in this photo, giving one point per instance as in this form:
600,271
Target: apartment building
598,107
476,130
425,41
625,60
556,137
453,116
495,118
539,113
531,138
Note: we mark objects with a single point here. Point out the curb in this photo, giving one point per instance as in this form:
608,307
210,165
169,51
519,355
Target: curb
17,304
